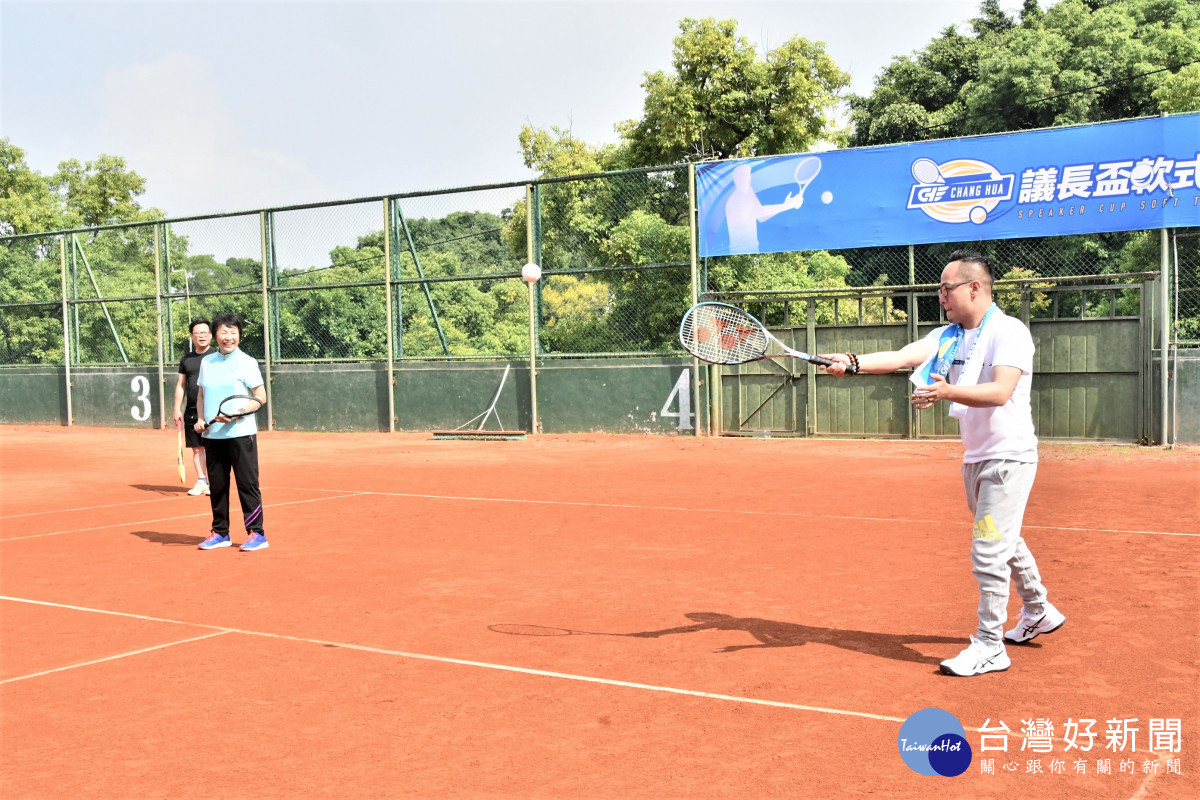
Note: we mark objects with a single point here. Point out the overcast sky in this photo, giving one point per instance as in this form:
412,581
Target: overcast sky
240,105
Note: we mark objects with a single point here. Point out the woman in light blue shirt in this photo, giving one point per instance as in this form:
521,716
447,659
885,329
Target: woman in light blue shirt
231,445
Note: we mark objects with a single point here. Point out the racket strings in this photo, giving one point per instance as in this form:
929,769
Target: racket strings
723,335
238,406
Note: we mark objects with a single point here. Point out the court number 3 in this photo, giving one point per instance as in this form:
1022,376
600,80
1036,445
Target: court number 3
141,392
683,391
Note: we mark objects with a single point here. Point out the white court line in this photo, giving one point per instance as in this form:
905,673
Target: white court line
629,506
118,505
745,511
219,631
113,658
164,519
466,663
88,508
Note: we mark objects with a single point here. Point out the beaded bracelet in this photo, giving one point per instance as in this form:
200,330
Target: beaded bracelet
853,361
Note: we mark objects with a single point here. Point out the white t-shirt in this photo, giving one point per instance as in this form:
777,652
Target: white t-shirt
1000,432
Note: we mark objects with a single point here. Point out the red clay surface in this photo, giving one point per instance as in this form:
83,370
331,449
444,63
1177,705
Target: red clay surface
794,599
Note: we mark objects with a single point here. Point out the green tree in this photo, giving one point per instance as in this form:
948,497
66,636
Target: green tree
1075,62
101,192
27,203
724,100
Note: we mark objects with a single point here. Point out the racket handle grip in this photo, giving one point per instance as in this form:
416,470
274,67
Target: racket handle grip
825,362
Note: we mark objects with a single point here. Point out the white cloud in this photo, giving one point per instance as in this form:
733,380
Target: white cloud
171,123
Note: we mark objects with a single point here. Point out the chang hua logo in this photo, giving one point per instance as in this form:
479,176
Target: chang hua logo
959,190
933,742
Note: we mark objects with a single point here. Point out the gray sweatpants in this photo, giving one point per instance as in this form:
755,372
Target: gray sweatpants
997,492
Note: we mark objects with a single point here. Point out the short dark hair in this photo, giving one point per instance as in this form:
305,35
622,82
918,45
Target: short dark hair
981,261
232,320
195,322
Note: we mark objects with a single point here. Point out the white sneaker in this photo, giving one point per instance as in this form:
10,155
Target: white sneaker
201,487
1031,625
978,658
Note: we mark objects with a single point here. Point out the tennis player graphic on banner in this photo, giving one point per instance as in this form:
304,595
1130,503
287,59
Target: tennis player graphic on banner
744,210
981,365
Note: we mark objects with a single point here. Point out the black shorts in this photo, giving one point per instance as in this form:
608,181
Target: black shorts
190,437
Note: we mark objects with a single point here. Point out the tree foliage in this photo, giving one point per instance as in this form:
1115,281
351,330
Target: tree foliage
724,100
99,192
615,248
1074,62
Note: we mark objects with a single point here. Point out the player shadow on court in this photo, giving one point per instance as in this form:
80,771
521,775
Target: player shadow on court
169,539
771,633
169,489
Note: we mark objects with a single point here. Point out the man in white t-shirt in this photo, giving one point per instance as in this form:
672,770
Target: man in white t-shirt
982,365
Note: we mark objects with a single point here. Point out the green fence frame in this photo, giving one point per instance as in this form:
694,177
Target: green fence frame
1166,393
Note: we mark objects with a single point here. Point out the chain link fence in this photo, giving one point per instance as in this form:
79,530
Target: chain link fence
31,328
1185,310
437,276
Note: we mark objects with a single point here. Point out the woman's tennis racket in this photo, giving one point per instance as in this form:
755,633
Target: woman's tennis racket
179,461
235,406
723,334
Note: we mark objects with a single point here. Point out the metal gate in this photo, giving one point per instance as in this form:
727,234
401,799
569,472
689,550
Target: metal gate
1092,368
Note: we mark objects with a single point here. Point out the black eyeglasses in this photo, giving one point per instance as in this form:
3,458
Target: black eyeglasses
946,288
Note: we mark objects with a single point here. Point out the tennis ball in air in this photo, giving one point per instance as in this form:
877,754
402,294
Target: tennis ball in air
827,197
531,272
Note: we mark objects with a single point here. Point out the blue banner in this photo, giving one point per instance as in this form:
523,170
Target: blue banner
1117,176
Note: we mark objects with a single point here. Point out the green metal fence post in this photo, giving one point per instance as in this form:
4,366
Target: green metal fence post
66,321
398,288
158,315
914,328
169,273
695,296
1164,332
529,252
810,407
387,306
265,241
75,296
272,289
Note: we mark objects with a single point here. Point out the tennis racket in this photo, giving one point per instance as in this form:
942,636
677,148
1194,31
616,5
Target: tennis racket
235,406
179,460
723,334
806,170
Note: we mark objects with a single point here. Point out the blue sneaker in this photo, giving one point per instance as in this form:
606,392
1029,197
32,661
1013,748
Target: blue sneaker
214,541
256,542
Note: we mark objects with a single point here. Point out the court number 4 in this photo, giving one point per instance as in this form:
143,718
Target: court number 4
683,391
141,392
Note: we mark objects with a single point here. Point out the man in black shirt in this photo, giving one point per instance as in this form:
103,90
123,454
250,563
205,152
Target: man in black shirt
185,389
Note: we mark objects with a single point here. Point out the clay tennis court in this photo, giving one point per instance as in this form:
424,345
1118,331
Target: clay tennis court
793,598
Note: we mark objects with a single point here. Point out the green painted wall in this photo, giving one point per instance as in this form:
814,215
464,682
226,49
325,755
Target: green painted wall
32,395
1087,386
121,397
620,395
329,397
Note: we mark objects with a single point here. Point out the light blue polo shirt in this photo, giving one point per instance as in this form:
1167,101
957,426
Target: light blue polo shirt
224,375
